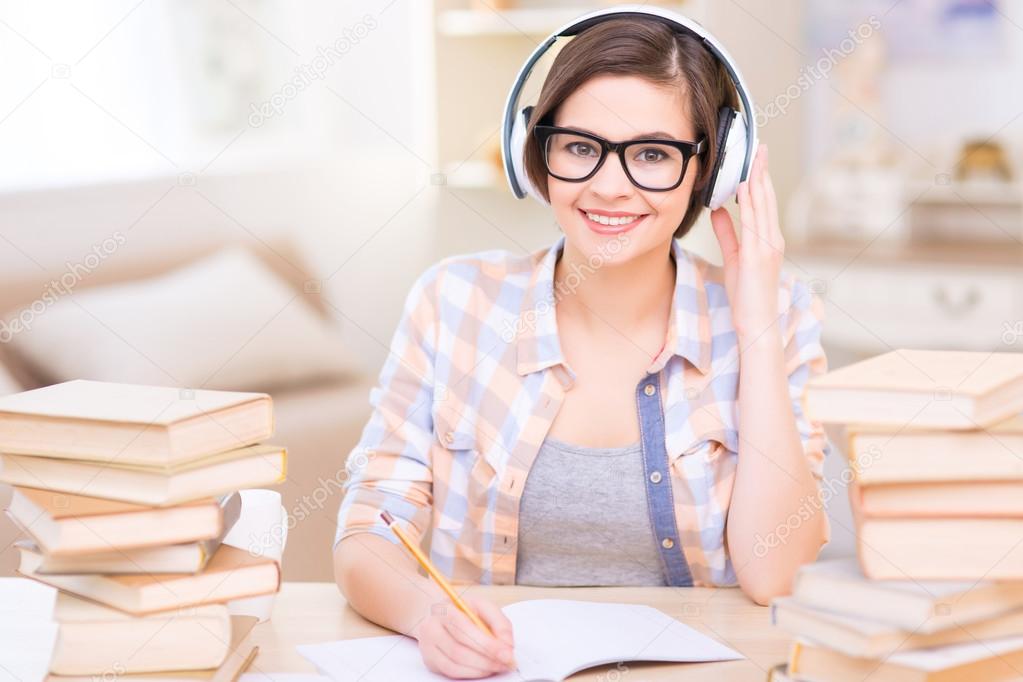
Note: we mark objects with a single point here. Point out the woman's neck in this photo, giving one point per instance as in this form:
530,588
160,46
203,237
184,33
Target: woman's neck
626,296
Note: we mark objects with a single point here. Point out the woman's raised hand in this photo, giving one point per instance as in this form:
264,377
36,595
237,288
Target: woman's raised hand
752,262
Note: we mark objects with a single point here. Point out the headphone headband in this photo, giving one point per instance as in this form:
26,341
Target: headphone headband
673,20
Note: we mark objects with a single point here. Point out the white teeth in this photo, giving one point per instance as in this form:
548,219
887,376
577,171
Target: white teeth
615,220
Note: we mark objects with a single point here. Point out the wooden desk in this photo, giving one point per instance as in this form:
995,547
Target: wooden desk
306,613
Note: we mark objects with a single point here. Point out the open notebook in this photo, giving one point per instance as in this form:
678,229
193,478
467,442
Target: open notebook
553,639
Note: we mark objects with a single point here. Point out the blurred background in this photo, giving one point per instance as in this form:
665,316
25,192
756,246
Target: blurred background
238,193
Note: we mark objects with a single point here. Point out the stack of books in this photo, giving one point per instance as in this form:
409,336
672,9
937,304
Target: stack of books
850,627
935,445
935,449
125,493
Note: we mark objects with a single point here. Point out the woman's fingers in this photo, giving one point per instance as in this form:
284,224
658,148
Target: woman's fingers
761,217
455,647
494,617
447,660
724,230
486,651
442,654
772,202
746,218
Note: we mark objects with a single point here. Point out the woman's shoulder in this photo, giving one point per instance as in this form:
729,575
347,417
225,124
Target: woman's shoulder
486,277
491,263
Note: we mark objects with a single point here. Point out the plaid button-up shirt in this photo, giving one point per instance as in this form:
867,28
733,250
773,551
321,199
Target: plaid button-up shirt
475,377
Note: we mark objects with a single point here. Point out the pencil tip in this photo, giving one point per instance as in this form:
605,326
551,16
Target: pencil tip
388,519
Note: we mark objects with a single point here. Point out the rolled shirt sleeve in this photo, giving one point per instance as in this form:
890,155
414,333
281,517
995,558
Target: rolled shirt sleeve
390,467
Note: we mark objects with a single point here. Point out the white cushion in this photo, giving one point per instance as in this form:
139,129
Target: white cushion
225,321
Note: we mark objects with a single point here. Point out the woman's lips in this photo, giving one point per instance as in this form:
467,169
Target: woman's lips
600,228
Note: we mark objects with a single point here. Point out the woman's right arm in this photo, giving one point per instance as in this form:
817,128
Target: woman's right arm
381,581
390,469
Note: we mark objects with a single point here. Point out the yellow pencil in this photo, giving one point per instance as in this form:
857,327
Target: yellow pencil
425,562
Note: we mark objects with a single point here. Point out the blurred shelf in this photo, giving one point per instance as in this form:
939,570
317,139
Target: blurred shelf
917,252
471,77
970,191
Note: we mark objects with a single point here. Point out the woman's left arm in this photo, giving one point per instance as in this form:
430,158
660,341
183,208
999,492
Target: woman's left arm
774,482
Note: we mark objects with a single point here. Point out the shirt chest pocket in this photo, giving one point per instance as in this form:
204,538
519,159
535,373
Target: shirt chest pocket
471,472
709,447
702,474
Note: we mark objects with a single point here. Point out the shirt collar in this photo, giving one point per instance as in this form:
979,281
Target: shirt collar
538,345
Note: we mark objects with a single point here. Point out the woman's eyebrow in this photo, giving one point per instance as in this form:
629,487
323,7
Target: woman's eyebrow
656,133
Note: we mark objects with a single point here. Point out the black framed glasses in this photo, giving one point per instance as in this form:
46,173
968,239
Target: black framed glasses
652,164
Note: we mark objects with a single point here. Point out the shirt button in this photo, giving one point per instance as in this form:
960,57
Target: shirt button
649,389
449,437
656,477
667,543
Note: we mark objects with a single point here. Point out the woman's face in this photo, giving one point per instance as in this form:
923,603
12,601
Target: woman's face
620,108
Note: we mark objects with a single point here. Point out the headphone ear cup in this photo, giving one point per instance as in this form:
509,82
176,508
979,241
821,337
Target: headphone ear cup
725,117
732,153
518,151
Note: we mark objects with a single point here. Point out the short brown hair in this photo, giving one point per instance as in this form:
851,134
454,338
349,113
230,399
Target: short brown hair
649,49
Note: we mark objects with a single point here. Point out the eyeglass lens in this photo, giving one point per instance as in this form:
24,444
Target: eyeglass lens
652,165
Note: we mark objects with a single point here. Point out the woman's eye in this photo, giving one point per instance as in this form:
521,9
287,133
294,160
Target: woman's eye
580,148
650,155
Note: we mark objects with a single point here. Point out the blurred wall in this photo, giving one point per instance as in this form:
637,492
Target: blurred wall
189,98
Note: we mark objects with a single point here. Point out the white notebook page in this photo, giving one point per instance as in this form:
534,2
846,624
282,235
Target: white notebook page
553,639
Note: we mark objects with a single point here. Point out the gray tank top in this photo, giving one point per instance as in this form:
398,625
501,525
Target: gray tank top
583,519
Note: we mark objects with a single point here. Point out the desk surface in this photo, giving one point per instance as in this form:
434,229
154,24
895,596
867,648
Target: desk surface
306,613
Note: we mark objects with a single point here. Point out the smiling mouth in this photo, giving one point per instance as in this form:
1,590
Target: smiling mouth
611,224
612,221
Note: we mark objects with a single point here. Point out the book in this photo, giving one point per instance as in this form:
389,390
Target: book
864,638
924,388
932,455
941,549
189,557
989,660
232,573
64,523
97,640
240,654
554,638
839,586
131,423
248,467
946,499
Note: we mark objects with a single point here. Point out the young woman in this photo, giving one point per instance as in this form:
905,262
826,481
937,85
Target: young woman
572,416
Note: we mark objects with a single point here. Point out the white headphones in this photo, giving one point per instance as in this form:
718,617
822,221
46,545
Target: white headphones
737,134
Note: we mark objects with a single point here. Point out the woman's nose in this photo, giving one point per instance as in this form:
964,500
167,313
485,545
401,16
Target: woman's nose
611,179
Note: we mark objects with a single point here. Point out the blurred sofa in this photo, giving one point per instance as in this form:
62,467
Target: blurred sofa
165,228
